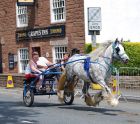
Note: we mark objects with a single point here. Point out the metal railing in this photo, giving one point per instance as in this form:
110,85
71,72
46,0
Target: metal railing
128,79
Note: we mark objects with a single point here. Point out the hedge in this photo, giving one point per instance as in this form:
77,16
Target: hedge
88,48
133,51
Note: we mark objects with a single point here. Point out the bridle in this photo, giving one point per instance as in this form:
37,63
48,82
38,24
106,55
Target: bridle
116,51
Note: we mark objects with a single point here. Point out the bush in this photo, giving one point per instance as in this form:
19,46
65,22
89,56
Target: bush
133,51
88,48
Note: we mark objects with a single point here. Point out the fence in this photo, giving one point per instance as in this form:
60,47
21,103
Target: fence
128,79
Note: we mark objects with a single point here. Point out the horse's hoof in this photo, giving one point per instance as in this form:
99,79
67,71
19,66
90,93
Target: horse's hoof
60,98
89,101
113,102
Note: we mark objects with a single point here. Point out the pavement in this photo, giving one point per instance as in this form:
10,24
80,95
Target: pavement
130,94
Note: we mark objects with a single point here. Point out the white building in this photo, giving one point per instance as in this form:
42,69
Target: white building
120,18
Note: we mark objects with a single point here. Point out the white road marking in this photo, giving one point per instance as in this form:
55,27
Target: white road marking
27,122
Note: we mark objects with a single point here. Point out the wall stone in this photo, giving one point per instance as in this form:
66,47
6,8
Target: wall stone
17,80
126,82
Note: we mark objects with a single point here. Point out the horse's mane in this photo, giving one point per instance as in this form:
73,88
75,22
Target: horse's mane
99,51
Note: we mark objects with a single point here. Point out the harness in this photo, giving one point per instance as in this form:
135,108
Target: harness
87,66
87,63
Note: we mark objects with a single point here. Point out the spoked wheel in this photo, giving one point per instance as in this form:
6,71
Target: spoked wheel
28,97
68,97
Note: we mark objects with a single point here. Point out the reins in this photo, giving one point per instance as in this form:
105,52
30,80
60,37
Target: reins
56,65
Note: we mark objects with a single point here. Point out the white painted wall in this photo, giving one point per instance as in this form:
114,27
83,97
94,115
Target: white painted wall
120,18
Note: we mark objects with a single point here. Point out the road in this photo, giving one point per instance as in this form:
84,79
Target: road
49,111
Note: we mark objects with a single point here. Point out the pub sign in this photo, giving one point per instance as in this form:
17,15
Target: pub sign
25,2
53,31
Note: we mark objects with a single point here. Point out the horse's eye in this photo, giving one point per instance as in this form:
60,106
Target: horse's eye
117,50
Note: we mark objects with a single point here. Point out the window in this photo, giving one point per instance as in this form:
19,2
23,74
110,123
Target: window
21,16
23,56
59,52
58,9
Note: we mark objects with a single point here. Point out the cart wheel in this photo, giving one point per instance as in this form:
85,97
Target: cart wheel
68,97
28,97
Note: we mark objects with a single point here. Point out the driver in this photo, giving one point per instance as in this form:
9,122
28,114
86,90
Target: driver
44,64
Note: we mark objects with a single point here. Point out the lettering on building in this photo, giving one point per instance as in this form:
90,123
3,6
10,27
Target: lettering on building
53,31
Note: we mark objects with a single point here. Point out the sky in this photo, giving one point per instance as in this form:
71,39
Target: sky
120,19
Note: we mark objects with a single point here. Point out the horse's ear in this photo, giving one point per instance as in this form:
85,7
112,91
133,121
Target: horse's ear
116,41
121,40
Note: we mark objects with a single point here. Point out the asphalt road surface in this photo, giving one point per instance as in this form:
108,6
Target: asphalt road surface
47,110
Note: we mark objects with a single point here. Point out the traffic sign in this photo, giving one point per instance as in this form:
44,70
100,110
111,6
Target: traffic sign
94,19
94,26
94,14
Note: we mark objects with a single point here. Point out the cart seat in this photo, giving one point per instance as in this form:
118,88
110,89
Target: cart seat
30,77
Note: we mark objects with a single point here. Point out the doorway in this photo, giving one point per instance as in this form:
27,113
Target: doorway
36,49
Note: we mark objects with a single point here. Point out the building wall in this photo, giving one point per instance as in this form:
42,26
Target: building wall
39,17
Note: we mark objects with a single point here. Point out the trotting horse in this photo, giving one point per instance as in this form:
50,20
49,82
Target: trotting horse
93,71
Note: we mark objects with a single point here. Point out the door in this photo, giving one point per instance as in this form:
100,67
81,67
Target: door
36,49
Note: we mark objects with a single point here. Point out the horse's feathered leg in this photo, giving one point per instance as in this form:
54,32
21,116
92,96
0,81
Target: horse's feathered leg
98,97
61,82
60,86
107,93
88,98
85,87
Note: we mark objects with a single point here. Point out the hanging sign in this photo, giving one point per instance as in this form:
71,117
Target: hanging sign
25,2
53,31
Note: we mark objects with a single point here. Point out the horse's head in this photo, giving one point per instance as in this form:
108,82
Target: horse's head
119,52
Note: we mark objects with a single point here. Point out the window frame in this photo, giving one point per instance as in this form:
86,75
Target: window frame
18,24
62,53
52,13
20,69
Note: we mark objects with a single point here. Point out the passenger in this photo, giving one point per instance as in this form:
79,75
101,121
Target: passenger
32,70
64,60
75,51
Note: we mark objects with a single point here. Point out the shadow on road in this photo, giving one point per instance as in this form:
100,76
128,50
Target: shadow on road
37,104
105,111
12,112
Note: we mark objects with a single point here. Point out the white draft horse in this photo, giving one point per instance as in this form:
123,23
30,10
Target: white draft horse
93,71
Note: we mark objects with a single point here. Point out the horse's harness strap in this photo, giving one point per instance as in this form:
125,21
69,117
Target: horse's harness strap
88,74
87,66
